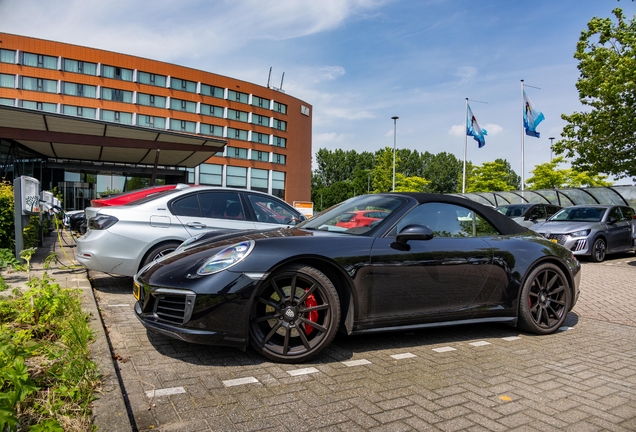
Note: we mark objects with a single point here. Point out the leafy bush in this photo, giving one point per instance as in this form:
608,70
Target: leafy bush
47,378
7,221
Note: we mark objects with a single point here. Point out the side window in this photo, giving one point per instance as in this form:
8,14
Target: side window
628,212
222,205
187,206
270,211
552,210
538,212
448,220
616,213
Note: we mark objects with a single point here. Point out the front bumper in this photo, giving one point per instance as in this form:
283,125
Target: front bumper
579,246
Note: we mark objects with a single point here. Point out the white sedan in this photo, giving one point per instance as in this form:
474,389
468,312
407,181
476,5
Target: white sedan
122,239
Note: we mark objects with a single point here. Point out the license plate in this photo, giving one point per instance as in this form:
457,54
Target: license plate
137,290
554,240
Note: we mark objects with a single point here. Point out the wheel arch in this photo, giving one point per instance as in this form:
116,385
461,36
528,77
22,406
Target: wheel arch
340,280
155,246
549,260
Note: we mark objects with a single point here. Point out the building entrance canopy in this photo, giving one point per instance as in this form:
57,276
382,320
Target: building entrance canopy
619,195
63,137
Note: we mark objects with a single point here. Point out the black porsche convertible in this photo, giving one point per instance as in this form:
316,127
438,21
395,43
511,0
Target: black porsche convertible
426,260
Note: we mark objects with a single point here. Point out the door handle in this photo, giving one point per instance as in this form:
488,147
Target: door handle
196,225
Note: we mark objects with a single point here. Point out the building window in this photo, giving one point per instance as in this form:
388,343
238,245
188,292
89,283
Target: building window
39,84
209,90
280,124
7,56
8,81
260,138
182,105
238,134
150,121
237,96
278,184
260,156
260,120
117,95
279,159
213,130
40,106
260,102
279,107
84,90
39,60
117,73
236,177
79,111
259,180
236,152
116,117
81,67
237,115
183,126
151,100
7,101
183,85
280,142
212,110
151,79
211,174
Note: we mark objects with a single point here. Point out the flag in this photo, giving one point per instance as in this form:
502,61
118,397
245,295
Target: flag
474,130
531,117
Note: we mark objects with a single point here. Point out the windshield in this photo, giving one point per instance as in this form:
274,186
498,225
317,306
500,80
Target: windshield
357,216
579,214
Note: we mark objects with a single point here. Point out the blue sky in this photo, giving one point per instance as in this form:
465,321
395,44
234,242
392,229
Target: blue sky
360,62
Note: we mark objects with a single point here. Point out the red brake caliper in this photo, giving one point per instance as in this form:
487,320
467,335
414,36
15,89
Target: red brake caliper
313,315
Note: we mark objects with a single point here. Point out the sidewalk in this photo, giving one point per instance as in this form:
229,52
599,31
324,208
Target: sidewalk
109,410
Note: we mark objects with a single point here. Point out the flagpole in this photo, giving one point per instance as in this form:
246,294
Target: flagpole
465,145
523,175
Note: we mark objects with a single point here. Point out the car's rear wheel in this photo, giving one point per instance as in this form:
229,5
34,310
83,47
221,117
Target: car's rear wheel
158,251
295,315
545,300
599,250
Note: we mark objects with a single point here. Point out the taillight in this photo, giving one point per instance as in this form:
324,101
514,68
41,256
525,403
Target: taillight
102,222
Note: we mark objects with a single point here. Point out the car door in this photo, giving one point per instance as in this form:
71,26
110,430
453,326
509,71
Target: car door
430,277
211,211
620,232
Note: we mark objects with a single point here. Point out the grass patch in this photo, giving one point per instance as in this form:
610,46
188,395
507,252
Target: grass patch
47,378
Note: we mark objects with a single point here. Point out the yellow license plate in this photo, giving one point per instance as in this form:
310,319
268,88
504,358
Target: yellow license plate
554,240
137,290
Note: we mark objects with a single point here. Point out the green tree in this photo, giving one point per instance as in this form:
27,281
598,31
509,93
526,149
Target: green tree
443,171
383,170
491,177
601,139
547,176
410,184
410,162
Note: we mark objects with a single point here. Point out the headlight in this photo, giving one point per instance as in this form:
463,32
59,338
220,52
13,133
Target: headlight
581,233
225,259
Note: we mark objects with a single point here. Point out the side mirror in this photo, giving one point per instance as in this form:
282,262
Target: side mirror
413,232
612,220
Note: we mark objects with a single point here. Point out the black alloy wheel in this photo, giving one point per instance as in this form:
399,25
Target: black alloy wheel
159,251
545,300
599,250
295,315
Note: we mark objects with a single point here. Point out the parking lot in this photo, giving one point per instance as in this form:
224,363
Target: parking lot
485,377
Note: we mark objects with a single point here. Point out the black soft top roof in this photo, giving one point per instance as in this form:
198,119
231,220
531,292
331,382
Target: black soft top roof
503,224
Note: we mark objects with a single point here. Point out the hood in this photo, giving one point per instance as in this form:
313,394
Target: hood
564,227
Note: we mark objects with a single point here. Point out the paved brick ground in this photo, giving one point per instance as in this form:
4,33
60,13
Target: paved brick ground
478,378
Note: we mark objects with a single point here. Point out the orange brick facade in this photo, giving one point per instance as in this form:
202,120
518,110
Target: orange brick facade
297,115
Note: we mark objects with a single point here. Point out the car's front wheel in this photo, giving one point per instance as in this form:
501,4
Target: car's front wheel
295,315
545,300
599,249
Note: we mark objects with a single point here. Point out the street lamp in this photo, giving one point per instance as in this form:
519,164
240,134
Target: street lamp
394,141
551,141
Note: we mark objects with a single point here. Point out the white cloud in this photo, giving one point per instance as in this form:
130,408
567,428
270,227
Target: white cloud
330,138
457,130
466,74
493,129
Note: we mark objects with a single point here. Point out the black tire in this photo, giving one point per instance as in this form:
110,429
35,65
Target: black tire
159,251
281,327
545,300
599,250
